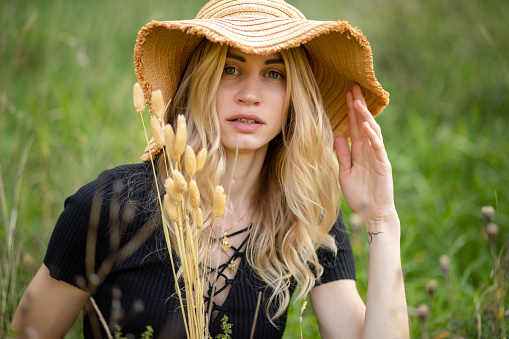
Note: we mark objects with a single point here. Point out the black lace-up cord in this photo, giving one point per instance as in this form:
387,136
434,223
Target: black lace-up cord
220,270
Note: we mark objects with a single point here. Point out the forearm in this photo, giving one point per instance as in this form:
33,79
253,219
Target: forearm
386,308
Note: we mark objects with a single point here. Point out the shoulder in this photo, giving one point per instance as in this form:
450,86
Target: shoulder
125,174
114,180
109,198
119,203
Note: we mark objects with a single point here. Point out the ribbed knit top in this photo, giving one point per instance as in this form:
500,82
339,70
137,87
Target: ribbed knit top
128,270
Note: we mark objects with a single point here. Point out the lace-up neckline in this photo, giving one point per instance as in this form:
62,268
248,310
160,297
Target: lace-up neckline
230,264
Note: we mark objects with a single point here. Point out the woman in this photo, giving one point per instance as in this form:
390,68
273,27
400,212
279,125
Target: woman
264,91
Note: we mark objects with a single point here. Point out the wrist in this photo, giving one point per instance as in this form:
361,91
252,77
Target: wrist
384,223
383,231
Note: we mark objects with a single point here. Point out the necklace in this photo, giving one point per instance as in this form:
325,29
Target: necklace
226,242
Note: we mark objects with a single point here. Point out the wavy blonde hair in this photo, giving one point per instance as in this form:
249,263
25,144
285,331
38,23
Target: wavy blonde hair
297,201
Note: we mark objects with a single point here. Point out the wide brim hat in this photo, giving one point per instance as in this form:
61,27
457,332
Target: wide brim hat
339,54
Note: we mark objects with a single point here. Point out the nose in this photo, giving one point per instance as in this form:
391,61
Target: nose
249,91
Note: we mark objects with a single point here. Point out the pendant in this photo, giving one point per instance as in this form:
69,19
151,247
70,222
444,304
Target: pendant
226,243
231,266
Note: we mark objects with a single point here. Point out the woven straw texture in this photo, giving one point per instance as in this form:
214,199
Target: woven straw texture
339,54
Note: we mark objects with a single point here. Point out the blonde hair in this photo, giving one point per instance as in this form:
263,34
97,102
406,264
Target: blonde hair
297,201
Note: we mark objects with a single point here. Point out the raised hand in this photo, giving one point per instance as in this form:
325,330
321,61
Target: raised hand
365,176
365,173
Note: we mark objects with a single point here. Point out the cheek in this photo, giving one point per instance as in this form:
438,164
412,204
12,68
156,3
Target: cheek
279,101
220,100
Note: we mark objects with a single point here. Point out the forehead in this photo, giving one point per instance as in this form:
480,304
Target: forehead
232,52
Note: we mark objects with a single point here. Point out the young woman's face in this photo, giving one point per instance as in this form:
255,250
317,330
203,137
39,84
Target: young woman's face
250,100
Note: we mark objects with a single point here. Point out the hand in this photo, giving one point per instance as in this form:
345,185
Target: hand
365,173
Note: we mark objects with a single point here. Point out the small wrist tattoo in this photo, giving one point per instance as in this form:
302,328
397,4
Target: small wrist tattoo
370,236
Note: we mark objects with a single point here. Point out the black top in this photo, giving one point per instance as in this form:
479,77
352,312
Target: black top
131,276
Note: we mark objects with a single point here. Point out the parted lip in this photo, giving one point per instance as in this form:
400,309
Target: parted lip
247,116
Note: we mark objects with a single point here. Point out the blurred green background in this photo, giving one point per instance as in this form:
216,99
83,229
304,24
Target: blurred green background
66,76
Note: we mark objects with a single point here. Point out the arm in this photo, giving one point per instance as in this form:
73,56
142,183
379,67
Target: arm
365,176
339,309
48,307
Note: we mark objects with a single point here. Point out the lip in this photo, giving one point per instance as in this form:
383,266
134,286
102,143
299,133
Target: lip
243,127
247,116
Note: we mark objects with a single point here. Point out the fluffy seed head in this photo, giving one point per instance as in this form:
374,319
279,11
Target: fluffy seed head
138,98
180,138
158,104
169,186
170,208
488,212
445,263
355,222
169,138
431,287
28,259
194,194
302,310
219,201
492,230
190,161
200,159
198,218
423,311
157,131
180,182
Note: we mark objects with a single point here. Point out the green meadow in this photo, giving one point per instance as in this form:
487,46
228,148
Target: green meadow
66,114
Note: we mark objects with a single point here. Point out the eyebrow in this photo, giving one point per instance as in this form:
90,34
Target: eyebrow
242,59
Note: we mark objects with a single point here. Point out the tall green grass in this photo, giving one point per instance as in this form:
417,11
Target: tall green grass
66,75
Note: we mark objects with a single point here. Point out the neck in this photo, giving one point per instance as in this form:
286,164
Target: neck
241,180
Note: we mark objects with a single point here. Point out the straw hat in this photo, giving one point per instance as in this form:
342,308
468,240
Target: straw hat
339,54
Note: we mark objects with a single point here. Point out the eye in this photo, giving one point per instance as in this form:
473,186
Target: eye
274,75
229,70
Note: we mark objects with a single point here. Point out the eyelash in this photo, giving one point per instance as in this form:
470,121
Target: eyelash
279,74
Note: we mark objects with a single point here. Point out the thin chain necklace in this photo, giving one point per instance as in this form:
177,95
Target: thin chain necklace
225,245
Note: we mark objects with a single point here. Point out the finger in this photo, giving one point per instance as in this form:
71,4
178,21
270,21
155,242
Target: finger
343,153
360,107
357,94
355,133
364,115
376,142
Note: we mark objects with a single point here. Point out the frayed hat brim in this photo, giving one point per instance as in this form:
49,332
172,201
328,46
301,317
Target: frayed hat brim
339,54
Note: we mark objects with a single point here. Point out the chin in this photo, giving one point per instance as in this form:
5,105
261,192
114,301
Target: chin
243,146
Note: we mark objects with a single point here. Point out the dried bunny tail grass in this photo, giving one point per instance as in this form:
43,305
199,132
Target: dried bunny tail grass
138,98
190,161
158,104
194,194
170,209
219,201
157,131
169,137
200,159
180,182
170,187
180,138
198,218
